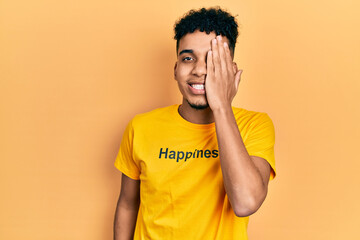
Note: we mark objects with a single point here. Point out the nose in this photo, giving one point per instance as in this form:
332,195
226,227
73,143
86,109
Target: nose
199,68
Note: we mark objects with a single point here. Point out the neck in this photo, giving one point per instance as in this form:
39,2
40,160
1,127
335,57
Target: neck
197,116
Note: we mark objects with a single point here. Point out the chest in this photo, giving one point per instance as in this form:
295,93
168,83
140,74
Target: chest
176,157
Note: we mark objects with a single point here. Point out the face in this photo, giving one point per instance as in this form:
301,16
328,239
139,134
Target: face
190,68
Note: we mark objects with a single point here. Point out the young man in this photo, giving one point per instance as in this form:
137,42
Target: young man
199,169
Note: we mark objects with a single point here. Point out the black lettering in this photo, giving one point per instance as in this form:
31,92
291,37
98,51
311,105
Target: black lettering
215,153
178,155
172,155
188,155
165,153
199,151
207,153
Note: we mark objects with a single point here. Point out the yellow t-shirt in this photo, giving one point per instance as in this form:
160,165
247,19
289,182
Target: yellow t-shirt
182,195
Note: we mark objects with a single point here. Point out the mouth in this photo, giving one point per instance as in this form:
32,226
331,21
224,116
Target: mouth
197,88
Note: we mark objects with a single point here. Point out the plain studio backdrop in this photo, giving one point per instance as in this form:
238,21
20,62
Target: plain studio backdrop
73,73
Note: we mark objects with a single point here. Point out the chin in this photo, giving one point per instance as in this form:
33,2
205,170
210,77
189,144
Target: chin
198,106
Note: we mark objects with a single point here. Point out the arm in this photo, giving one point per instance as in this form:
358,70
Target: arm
127,209
245,177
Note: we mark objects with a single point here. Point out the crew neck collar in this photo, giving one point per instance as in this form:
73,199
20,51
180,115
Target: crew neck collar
184,122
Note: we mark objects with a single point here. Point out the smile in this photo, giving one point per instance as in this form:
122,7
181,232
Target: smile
197,88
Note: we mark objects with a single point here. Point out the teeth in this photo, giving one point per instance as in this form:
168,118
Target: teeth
198,86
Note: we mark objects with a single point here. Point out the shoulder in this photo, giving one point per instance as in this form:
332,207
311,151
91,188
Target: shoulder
253,118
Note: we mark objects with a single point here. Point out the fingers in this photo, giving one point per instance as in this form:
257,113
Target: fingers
209,63
220,62
229,61
216,57
222,57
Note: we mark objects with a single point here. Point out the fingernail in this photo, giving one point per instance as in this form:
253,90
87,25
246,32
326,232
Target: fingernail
225,44
219,37
214,41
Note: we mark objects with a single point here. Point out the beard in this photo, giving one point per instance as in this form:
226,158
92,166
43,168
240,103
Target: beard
198,106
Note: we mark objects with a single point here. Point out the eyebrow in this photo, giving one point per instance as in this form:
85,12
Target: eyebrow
186,51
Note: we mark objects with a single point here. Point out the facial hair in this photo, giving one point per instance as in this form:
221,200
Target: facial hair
198,106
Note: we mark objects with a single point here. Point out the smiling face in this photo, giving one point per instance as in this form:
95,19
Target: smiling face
190,68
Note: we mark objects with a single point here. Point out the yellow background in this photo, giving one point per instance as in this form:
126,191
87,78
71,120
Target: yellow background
73,73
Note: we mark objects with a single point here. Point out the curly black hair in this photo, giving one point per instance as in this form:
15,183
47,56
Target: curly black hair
208,20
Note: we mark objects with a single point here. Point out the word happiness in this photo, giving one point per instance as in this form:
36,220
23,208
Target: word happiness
180,155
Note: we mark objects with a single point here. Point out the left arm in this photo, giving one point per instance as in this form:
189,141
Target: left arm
245,177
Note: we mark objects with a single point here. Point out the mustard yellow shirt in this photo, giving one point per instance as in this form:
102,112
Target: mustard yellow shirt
182,194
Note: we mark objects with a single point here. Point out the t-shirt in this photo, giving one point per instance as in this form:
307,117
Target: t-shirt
182,195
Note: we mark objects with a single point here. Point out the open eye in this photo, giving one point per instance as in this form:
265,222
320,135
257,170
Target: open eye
187,59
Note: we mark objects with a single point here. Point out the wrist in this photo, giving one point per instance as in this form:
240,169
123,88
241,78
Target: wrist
221,110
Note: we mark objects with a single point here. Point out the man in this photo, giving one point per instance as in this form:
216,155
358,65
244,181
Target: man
199,169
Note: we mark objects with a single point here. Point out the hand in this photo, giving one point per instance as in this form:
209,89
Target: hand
223,76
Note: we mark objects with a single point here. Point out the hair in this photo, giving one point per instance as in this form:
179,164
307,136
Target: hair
207,20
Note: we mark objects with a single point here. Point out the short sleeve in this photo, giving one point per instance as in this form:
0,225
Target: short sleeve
261,139
125,160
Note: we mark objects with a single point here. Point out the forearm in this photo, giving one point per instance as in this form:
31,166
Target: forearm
243,182
125,221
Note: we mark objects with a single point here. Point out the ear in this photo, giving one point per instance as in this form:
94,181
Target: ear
175,67
235,68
